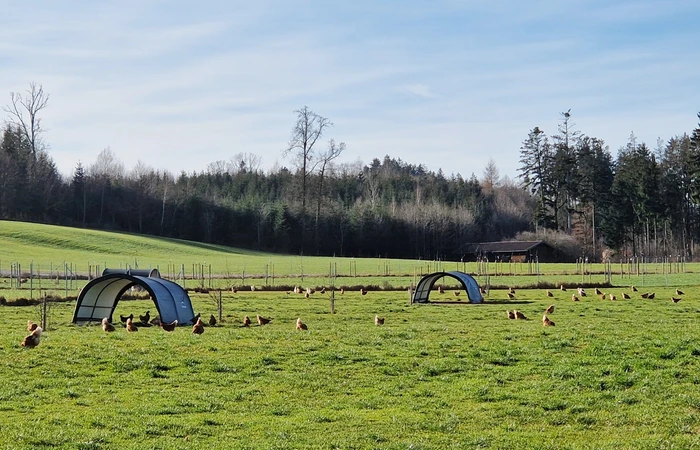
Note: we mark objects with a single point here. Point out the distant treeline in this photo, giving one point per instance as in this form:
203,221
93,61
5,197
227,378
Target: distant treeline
387,208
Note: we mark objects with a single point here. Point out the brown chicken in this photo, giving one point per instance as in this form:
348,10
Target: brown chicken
597,291
574,298
441,290
549,310
651,296
634,289
679,292
363,291
511,290
519,315
612,297
581,292
342,291
546,322
306,295
511,314
549,294
301,325
195,318
31,326
169,326
106,326
675,300
626,296
511,295
455,293
246,321
146,318
212,321
263,321
562,288
645,295
33,339
378,320
130,327
198,327
603,296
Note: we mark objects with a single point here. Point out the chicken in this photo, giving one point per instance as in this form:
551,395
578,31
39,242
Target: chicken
597,291
246,321
549,294
31,326
675,300
511,314
626,296
546,322
511,295
130,327
602,296
106,326
156,320
645,295
306,295
519,315
511,290
252,288
301,325
634,289
562,288
378,320
549,310
574,298
212,321
679,292
612,297
169,326
263,321
196,318
651,296
198,327
33,339
145,318
342,291
125,318
297,290
441,290
234,290
482,290
363,291
323,290
581,292
455,293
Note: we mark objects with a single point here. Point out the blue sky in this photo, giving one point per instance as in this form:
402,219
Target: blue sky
447,83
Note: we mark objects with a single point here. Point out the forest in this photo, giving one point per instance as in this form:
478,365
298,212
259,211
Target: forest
570,189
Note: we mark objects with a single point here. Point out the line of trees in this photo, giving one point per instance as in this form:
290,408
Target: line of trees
315,206
644,202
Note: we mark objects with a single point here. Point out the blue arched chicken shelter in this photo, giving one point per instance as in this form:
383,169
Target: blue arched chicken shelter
471,287
99,297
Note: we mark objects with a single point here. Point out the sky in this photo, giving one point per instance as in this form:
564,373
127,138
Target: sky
450,84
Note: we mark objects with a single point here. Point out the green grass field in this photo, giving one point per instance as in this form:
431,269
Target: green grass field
621,374
448,375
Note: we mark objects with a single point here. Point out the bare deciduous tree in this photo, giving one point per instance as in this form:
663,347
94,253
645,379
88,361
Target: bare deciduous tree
24,113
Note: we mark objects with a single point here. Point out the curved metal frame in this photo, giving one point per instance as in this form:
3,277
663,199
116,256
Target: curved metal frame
425,285
99,298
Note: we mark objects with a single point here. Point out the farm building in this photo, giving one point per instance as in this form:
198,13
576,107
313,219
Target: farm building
513,251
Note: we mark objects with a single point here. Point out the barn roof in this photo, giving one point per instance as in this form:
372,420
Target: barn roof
505,246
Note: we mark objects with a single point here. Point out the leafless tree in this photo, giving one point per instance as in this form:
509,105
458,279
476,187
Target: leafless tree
325,159
105,171
306,132
24,113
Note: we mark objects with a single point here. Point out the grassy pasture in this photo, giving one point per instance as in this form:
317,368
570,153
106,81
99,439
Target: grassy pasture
621,374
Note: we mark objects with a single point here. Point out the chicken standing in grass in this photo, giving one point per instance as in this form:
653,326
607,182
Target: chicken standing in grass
378,320
130,327
519,315
597,291
301,325
612,297
626,296
363,291
511,295
634,289
562,288
125,318
511,314
246,321
33,339
574,298
549,293
31,326
263,321
546,322
198,327
549,310
106,326
212,321
651,296
675,300
146,318
169,326
679,292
